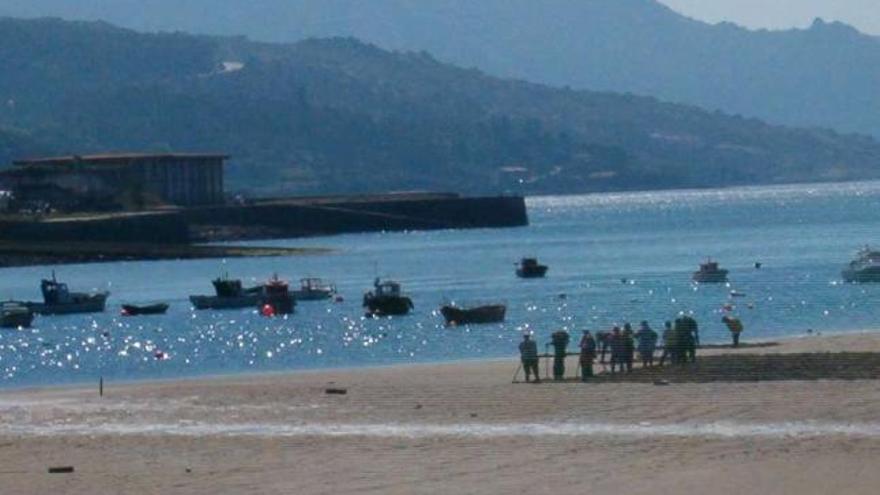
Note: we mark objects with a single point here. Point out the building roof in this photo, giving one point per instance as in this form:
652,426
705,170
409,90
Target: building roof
118,157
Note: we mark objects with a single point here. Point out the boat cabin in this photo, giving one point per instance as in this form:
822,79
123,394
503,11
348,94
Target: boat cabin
54,292
226,287
387,289
315,284
709,266
276,287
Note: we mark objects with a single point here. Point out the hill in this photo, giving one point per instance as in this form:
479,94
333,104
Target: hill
822,76
338,115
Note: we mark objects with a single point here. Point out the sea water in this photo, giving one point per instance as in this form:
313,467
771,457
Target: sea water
613,258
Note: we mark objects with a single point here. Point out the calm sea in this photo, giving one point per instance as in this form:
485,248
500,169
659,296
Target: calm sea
613,258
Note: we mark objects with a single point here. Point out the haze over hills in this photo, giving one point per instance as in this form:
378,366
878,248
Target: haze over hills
822,76
338,115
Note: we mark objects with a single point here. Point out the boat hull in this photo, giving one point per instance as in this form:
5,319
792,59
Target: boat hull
154,309
95,303
311,295
388,306
477,316
534,272
717,277
283,305
17,318
865,275
215,302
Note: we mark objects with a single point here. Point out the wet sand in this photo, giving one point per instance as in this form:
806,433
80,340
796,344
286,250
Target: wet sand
461,428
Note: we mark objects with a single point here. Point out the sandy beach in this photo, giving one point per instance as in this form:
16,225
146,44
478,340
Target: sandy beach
454,428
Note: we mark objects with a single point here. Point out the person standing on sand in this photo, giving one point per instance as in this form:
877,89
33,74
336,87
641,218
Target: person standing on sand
528,353
559,340
629,347
735,326
618,350
685,328
647,338
668,343
604,340
588,355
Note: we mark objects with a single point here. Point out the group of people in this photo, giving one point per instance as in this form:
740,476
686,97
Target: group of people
680,340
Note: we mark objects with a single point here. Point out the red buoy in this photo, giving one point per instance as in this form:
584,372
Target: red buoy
268,311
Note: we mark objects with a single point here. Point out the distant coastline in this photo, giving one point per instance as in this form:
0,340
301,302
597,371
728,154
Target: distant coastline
15,254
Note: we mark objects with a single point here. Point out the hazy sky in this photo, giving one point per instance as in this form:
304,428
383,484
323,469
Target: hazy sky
863,14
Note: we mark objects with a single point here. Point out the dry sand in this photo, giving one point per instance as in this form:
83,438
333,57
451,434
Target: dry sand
453,428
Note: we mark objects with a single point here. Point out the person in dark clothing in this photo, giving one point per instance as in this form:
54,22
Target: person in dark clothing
603,339
559,340
668,343
629,347
685,328
647,338
618,350
528,353
588,355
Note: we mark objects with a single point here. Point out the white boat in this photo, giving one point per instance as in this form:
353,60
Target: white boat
314,289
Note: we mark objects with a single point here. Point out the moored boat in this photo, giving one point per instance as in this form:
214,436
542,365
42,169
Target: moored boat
530,268
229,294
491,313
710,273
151,309
386,299
314,289
864,269
14,314
57,300
276,298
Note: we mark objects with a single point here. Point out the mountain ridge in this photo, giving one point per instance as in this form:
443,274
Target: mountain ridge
823,75
340,115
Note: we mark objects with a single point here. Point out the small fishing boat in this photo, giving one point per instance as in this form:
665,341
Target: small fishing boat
492,313
864,269
57,300
710,273
229,294
276,298
530,268
314,289
386,299
14,314
152,309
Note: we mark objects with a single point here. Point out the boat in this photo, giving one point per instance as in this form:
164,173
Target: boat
386,299
314,289
710,273
276,298
57,300
229,294
864,269
152,309
492,313
14,314
530,268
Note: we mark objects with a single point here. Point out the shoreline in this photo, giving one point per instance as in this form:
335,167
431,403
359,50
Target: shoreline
761,346
453,428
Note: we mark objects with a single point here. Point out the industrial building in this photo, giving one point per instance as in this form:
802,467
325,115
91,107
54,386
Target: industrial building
118,181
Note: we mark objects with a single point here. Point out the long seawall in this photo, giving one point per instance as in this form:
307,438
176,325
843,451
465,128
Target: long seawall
273,219
298,218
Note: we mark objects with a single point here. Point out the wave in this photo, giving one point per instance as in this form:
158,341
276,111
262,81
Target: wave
719,430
